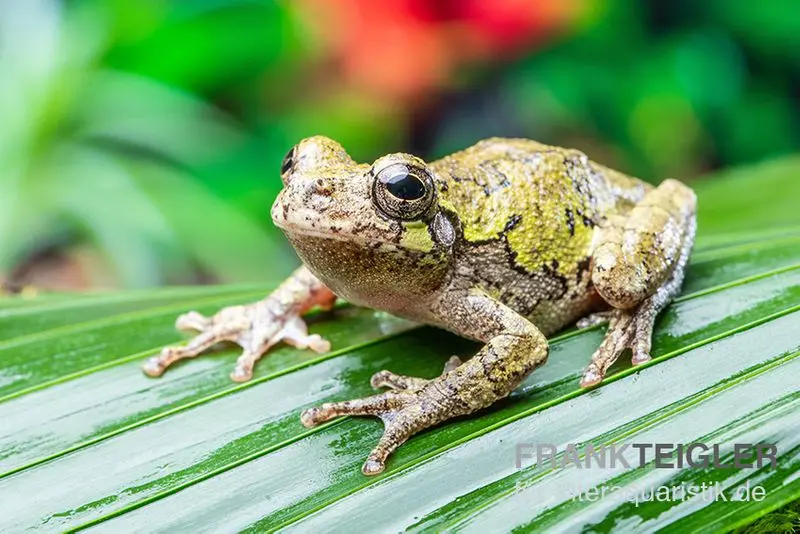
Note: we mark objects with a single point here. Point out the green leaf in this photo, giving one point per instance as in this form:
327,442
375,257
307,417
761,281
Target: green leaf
88,441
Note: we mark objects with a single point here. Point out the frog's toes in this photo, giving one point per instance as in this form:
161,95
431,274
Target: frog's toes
378,405
255,328
192,321
209,335
388,379
410,405
403,413
156,365
627,330
295,333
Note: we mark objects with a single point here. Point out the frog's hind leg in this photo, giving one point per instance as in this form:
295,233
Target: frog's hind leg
514,348
638,268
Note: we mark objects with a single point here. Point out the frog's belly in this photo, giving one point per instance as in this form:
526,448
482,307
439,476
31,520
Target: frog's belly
552,316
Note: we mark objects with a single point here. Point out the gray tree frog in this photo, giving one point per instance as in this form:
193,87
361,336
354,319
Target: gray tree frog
505,243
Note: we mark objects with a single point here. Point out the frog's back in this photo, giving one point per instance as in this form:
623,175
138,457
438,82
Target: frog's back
528,213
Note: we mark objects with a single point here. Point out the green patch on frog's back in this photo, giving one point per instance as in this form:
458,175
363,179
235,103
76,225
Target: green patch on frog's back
538,201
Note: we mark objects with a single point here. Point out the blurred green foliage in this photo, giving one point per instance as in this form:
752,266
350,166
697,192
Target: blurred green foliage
140,141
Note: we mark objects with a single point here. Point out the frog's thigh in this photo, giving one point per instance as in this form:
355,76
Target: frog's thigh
636,285
637,253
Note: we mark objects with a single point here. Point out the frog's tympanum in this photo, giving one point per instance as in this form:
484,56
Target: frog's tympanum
505,243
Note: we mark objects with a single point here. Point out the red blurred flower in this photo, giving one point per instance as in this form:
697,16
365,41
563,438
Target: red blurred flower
401,49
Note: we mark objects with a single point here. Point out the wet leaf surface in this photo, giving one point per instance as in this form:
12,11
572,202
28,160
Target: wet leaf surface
87,441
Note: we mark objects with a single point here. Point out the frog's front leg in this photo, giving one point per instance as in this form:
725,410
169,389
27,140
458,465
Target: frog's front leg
638,267
514,347
255,327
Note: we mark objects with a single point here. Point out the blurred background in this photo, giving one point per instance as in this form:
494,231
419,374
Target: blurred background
140,141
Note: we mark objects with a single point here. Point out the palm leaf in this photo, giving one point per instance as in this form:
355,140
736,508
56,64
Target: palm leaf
88,441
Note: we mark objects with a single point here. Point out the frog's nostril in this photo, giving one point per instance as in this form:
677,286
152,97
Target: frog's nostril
319,187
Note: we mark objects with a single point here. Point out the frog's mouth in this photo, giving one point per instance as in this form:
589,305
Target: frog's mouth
322,232
414,236
355,225
348,234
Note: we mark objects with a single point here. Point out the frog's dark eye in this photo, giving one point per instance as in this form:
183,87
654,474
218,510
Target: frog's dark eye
405,186
288,163
403,191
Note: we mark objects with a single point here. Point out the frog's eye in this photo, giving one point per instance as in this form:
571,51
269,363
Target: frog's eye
403,191
288,163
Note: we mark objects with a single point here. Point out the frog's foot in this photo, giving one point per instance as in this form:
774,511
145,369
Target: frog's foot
407,408
594,319
255,328
628,329
390,380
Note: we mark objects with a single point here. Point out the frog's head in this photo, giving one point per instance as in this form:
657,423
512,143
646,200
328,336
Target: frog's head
367,231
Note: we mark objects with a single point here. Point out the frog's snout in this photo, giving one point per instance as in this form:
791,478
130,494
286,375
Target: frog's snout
312,197
319,187
314,193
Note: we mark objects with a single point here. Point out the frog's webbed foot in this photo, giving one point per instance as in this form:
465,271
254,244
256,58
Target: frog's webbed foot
255,327
402,413
405,409
514,347
627,330
242,325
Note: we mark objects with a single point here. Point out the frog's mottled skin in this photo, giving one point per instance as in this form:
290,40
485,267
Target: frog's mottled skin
511,241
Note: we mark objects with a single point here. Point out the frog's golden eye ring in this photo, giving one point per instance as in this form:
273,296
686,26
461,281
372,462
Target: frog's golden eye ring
403,191
288,163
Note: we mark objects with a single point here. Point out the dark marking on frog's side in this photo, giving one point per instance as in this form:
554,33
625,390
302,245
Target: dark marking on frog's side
494,267
584,266
491,168
512,223
552,272
570,221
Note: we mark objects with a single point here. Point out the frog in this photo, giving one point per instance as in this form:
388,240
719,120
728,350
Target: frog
505,243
